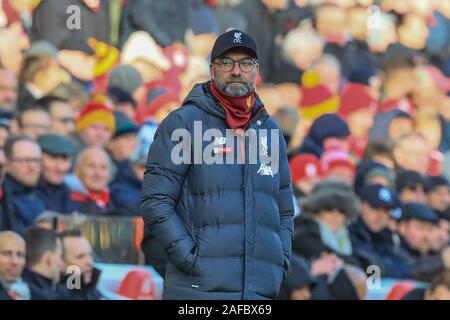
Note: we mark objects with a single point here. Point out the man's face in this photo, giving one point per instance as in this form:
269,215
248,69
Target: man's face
63,118
440,236
400,126
413,154
236,83
35,123
96,134
439,198
56,262
334,220
8,91
12,258
54,168
360,122
417,233
123,146
343,174
441,292
78,252
93,171
376,219
25,163
413,193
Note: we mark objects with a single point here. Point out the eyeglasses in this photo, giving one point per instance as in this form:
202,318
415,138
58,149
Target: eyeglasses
27,160
66,120
227,64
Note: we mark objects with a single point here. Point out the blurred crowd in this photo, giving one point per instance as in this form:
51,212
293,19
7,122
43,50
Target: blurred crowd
360,89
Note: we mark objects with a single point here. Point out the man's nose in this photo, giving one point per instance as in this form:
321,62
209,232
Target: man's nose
236,71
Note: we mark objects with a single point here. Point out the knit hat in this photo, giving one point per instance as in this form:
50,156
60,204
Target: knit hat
354,97
335,156
124,125
304,166
125,77
95,111
316,99
328,125
409,178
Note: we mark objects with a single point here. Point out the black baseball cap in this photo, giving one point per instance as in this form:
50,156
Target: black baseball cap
378,196
233,39
419,211
56,145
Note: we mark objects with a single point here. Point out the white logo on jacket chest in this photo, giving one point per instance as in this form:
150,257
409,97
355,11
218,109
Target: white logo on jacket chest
265,170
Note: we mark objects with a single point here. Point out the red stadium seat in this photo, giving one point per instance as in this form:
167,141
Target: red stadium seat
137,285
399,290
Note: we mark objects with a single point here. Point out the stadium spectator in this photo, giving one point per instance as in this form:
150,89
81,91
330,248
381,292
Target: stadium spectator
95,125
415,229
91,194
44,264
57,153
23,165
34,122
8,91
61,113
12,263
322,226
372,240
77,251
411,187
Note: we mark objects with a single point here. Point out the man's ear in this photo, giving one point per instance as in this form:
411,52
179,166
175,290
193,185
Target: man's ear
47,258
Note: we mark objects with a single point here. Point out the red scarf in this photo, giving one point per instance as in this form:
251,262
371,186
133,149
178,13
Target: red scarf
101,198
238,110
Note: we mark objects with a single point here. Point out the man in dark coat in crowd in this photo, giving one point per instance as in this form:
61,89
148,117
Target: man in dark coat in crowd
216,221
44,265
23,167
372,241
56,162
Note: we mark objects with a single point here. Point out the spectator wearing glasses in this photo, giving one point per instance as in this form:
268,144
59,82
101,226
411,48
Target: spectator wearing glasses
23,167
34,122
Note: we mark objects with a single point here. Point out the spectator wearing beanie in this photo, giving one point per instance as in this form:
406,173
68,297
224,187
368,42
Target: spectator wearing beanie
411,186
358,109
124,140
370,172
306,171
322,227
336,163
127,183
325,127
95,125
316,99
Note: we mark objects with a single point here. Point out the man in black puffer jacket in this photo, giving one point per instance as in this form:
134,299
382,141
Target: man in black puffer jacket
226,227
